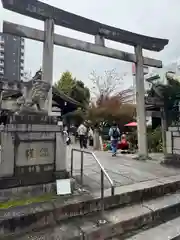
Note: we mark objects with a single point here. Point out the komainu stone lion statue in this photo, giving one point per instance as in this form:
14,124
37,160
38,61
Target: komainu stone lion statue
34,95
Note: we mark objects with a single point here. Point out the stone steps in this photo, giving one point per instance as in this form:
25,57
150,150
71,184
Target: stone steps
167,231
48,214
119,222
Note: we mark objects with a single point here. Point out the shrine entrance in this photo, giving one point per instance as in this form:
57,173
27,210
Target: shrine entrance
51,16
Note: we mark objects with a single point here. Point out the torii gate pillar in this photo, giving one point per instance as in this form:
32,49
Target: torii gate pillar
48,52
140,105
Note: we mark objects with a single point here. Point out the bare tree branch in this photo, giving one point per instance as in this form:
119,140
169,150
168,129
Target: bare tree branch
109,85
106,85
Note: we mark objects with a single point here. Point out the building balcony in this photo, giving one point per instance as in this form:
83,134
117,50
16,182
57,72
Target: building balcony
1,45
22,43
1,56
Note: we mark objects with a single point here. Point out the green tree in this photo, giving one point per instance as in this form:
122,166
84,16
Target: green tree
73,88
65,83
169,94
80,93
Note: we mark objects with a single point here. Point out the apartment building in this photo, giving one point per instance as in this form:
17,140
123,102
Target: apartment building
11,57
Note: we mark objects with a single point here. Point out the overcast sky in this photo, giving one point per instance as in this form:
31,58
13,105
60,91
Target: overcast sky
158,18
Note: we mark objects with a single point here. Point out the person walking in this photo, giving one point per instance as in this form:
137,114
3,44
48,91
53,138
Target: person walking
114,134
82,132
91,137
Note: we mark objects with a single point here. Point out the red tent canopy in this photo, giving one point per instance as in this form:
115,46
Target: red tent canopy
131,124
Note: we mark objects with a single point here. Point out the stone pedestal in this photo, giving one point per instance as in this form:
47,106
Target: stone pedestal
32,151
173,146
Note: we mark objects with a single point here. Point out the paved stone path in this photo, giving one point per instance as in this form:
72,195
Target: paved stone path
122,169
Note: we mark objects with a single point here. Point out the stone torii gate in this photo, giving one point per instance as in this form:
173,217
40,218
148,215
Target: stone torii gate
51,16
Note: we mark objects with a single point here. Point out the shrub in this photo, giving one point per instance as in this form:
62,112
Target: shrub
155,140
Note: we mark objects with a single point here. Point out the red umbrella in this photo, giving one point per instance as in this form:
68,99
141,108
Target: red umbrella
131,124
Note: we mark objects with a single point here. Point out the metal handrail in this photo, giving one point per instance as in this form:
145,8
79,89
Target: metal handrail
103,172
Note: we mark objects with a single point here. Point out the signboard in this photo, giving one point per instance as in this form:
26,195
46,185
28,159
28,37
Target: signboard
35,152
42,11
32,153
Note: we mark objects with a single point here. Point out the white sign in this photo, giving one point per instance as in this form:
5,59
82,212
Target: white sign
63,186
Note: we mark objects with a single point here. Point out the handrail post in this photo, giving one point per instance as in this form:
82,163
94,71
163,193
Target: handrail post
82,166
72,151
102,220
112,190
102,192
103,173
